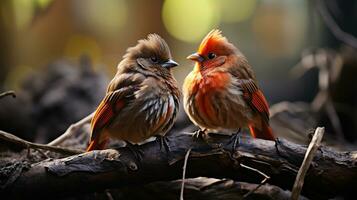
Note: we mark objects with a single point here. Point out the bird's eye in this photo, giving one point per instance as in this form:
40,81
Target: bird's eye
211,55
154,59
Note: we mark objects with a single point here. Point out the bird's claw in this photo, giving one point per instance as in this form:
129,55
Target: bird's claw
277,142
163,143
135,150
235,140
199,134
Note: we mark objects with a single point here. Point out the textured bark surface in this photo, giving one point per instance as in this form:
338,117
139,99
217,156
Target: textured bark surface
331,173
202,188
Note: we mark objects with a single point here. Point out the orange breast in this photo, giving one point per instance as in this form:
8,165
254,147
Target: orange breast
205,89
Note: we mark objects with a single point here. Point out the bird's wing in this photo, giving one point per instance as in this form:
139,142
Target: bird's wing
254,97
111,105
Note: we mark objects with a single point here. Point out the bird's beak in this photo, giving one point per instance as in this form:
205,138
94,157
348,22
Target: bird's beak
169,64
195,57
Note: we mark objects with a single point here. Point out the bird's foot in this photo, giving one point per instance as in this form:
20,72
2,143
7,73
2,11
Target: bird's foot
164,143
199,134
277,142
235,140
135,150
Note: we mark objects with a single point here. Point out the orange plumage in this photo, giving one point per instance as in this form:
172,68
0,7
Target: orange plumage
221,92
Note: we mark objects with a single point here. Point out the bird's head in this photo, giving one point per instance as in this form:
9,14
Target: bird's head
152,54
213,51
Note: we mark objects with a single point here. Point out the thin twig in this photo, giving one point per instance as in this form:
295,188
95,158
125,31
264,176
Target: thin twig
7,93
14,139
109,195
266,178
256,188
42,153
333,26
253,169
310,153
184,173
71,130
334,119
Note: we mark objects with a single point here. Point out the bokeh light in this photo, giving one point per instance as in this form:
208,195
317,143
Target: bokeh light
79,45
237,10
105,18
23,12
190,20
18,74
279,28
43,3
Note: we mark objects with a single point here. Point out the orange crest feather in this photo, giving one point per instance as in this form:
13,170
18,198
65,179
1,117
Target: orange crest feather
212,39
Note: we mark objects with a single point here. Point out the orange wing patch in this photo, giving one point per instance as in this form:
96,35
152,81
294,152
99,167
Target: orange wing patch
109,107
260,103
104,114
255,98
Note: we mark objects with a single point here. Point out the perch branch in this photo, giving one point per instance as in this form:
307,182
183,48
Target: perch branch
310,153
26,144
203,188
73,129
333,173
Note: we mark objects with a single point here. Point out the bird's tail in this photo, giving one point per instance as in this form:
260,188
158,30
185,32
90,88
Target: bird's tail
265,132
97,144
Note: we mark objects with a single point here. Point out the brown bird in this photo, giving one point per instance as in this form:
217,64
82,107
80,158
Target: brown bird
221,93
142,100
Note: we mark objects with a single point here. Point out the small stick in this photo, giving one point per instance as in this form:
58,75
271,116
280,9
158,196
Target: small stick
256,170
71,130
14,139
7,93
310,153
42,153
109,195
266,178
184,172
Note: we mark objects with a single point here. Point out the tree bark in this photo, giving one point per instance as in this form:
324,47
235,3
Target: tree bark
331,173
202,188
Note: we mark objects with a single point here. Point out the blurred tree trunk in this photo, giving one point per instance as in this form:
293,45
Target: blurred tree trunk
6,38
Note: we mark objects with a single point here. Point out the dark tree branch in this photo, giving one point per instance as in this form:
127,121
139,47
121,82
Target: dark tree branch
331,173
203,188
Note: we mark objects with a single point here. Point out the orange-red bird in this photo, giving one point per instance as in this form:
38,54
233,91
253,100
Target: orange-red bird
221,92
142,100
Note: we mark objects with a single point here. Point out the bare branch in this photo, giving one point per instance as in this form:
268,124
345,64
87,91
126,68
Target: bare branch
26,144
310,153
204,188
72,130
